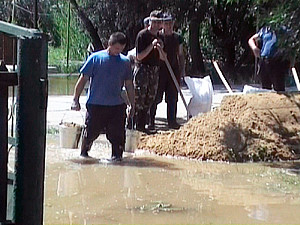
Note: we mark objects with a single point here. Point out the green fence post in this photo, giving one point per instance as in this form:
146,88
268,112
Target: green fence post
31,130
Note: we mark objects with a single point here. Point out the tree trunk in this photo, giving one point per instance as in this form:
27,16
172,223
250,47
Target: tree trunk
89,27
230,61
197,65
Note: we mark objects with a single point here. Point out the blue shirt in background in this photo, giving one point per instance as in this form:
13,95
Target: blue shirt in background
269,39
107,75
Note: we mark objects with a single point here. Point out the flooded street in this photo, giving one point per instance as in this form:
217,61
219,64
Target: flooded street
148,189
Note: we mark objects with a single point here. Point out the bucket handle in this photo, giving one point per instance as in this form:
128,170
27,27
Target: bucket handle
62,119
132,125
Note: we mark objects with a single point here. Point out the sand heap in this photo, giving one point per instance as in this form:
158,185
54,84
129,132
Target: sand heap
252,127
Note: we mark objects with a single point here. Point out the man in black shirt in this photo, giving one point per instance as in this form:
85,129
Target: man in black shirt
174,50
146,69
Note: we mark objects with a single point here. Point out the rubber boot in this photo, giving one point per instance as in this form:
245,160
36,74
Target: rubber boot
152,116
141,120
117,152
171,115
85,147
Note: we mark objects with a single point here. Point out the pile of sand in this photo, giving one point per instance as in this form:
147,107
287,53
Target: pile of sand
252,127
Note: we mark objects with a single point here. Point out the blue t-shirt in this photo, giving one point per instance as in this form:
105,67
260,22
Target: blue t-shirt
269,40
107,75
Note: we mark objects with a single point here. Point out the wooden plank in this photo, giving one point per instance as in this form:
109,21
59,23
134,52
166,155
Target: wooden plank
296,78
222,77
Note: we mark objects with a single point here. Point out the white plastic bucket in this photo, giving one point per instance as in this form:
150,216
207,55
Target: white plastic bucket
69,135
132,140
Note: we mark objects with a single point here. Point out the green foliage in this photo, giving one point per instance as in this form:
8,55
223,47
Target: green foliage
282,13
78,40
56,57
5,9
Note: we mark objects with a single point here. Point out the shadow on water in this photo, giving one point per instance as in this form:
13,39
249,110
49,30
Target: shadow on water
142,162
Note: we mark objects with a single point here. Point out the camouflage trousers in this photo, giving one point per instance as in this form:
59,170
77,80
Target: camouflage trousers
145,85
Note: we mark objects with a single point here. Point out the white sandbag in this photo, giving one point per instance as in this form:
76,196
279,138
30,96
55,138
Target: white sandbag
202,92
250,89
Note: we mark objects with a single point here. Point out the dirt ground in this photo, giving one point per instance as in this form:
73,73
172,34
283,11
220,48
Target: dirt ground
252,127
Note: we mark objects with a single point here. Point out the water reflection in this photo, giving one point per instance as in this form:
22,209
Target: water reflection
258,212
62,84
69,183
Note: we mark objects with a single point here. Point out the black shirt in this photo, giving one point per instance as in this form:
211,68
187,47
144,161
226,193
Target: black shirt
171,47
143,40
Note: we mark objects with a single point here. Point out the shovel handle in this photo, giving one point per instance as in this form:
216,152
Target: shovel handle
176,83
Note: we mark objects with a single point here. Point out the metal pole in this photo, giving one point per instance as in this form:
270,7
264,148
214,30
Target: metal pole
68,33
35,15
13,89
13,12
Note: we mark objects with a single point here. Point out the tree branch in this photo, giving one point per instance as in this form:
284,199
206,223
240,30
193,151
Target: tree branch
92,31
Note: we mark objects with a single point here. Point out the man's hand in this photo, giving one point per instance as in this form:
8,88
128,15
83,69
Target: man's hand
75,105
157,43
131,112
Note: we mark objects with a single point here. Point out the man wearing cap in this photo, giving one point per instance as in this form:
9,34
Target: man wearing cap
174,50
146,69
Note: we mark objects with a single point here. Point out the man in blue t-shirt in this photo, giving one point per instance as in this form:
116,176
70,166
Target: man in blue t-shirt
108,71
273,67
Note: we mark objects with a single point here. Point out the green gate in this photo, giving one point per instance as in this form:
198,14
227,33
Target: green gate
25,187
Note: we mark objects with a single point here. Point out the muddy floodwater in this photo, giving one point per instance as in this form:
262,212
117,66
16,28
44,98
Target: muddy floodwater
148,189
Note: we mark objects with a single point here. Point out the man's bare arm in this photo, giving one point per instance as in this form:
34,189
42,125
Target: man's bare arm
77,91
253,46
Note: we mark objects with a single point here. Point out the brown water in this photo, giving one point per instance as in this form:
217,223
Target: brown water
61,84
148,189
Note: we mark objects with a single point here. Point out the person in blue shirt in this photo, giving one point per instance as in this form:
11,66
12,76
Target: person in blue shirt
273,67
108,71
